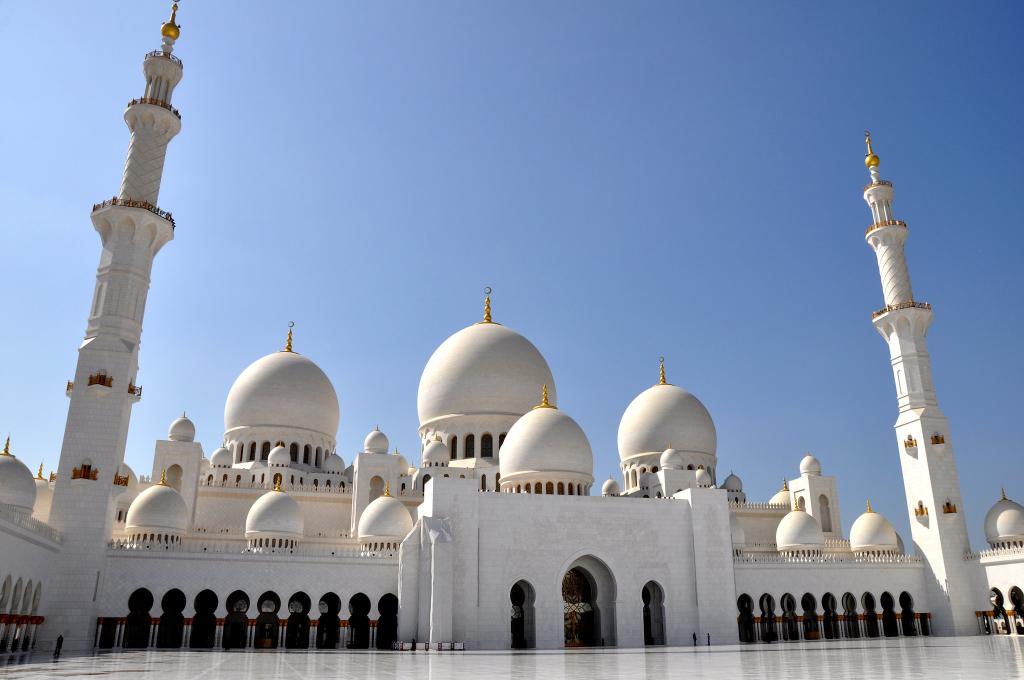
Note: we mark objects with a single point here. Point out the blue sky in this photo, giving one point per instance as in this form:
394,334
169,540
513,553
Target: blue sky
633,179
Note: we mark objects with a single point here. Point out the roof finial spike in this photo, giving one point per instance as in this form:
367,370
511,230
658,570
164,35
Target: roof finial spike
170,29
785,484
1002,493
487,304
544,403
39,474
869,506
7,447
277,482
387,489
661,371
288,342
163,477
870,158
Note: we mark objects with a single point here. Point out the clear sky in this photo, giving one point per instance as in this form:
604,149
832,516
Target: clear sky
634,179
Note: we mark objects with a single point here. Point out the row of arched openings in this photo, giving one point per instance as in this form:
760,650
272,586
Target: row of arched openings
843,618
469,446
310,455
1000,621
298,627
19,599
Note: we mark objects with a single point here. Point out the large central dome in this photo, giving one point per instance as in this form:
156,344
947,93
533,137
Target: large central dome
666,416
484,369
283,389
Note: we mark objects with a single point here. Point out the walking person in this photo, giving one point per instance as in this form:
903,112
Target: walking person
57,647
709,639
694,638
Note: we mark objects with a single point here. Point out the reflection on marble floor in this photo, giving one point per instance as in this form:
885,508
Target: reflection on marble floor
906,659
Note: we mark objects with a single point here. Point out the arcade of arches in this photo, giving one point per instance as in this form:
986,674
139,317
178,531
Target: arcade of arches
1003,619
845,617
259,624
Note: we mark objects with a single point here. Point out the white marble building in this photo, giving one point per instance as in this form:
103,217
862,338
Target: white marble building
274,540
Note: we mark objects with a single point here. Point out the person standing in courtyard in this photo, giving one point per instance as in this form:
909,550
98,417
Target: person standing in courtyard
694,638
57,647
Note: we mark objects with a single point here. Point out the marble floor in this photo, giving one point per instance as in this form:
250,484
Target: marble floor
905,659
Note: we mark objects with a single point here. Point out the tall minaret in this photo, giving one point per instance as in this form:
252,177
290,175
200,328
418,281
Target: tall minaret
926,450
132,230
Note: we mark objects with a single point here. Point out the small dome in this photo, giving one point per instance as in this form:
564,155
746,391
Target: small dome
221,458
435,453
283,389
546,440
158,509
732,483
334,464
810,465
44,498
1004,522
610,488
376,442
704,479
182,430
782,497
666,415
486,368
672,460
275,514
872,532
17,486
279,456
739,536
799,531
384,519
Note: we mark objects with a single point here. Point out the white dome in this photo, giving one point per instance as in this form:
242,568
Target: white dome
17,486
385,518
275,514
732,483
44,499
283,389
610,488
221,458
334,463
872,532
671,460
782,497
279,457
810,465
662,416
799,531
376,442
703,478
1004,522
158,509
739,536
486,368
435,453
546,440
182,430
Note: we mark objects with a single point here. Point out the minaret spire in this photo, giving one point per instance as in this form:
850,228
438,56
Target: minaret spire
930,478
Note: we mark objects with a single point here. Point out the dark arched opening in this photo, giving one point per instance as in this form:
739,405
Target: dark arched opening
850,616
653,598
236,623
810,607
588,603
470,446
296,634
171,630
790,629
907,615
522,598
890,626
745,605
359,622
387,621
830,618
136,624
870,616
1017,600
999,618
486,446
267,623
768,631
329,625
204,623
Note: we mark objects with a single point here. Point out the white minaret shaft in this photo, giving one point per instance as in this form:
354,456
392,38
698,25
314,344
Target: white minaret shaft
930,478
132,230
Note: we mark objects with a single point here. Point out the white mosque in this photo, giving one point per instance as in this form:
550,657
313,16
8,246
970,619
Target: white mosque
494,537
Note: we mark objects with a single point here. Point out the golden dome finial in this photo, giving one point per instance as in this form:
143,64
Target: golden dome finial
487,304
387,489
544,403
277,482
39,474
785,484
870,159
288,342
170,29
7,447
1002,493
661,371
869,506
163,477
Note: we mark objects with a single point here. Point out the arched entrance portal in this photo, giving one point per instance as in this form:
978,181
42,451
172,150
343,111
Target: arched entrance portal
296,634
588,601
171,629
136,625
267,623
745,620
653,598
236,623
204,623
387,622
359,622
329,624
522,597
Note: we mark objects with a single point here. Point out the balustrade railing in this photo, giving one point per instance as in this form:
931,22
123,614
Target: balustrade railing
241,549
825,558
160,54
878,183
131,203
27,521
885,223
156,102
901,305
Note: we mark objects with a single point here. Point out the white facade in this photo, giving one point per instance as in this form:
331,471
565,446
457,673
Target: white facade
489,537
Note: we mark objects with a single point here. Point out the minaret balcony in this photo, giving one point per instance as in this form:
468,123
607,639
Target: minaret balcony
67,390
910,446
134,393
100,384
160,54
909,304
878,183
131,203
938,439
156,102
885,223
85,472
